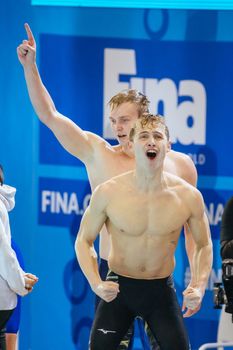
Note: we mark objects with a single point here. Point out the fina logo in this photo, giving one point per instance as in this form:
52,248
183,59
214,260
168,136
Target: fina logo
186,120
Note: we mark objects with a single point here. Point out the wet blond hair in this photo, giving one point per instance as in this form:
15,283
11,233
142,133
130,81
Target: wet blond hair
132,96
148,119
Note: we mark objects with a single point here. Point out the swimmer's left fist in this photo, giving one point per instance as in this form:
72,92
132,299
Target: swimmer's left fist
192,301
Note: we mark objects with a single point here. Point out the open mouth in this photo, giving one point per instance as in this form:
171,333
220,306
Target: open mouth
151,154
121,136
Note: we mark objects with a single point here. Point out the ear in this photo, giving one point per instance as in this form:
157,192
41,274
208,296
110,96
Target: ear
130,145
169,146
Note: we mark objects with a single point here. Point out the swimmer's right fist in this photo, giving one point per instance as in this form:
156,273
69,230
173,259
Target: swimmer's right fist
106,290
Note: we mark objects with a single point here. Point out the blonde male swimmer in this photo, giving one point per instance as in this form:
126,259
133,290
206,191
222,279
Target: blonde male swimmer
144,211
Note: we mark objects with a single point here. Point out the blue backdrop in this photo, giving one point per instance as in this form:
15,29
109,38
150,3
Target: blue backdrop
182,60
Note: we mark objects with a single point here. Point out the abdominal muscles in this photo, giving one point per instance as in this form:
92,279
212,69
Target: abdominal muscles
144,257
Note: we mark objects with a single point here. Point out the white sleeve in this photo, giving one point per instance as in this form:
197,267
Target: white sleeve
10,269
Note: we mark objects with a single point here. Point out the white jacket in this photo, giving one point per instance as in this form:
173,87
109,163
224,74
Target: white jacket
11,275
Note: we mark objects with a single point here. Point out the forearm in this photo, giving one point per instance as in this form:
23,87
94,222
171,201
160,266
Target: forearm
190,248
87,259
39,96
202,264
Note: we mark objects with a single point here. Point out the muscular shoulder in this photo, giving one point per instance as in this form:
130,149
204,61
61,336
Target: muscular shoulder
102,150
103,194
99,198
110,186
189,194
194,200
95,139
104,190
180,164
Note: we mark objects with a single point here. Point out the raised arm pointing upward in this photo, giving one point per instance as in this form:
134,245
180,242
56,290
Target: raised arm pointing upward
73,139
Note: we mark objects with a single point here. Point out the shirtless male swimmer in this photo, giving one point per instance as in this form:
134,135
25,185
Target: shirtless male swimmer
144,211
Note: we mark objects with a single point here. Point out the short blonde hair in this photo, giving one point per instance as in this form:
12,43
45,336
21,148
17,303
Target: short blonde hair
149,119
132,96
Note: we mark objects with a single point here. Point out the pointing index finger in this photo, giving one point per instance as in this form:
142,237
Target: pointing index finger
29,34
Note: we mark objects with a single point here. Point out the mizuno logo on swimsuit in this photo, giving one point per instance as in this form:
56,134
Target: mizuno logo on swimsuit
105,331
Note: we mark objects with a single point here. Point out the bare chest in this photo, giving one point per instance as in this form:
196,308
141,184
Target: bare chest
137,215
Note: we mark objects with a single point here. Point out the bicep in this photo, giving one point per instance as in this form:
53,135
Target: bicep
75,140
190,172
198,222
91,225
201,231
94,217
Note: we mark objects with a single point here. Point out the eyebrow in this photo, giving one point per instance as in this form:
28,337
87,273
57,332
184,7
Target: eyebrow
121,117
154,132
158,132
143,132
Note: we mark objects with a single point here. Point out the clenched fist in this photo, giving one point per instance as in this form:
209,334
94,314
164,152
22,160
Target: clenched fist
107,290
192,301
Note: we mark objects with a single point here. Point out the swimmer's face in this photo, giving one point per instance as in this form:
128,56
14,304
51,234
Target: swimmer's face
122,119
150,143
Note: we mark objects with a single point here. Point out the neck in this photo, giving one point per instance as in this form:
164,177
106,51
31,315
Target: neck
127,150
149,180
